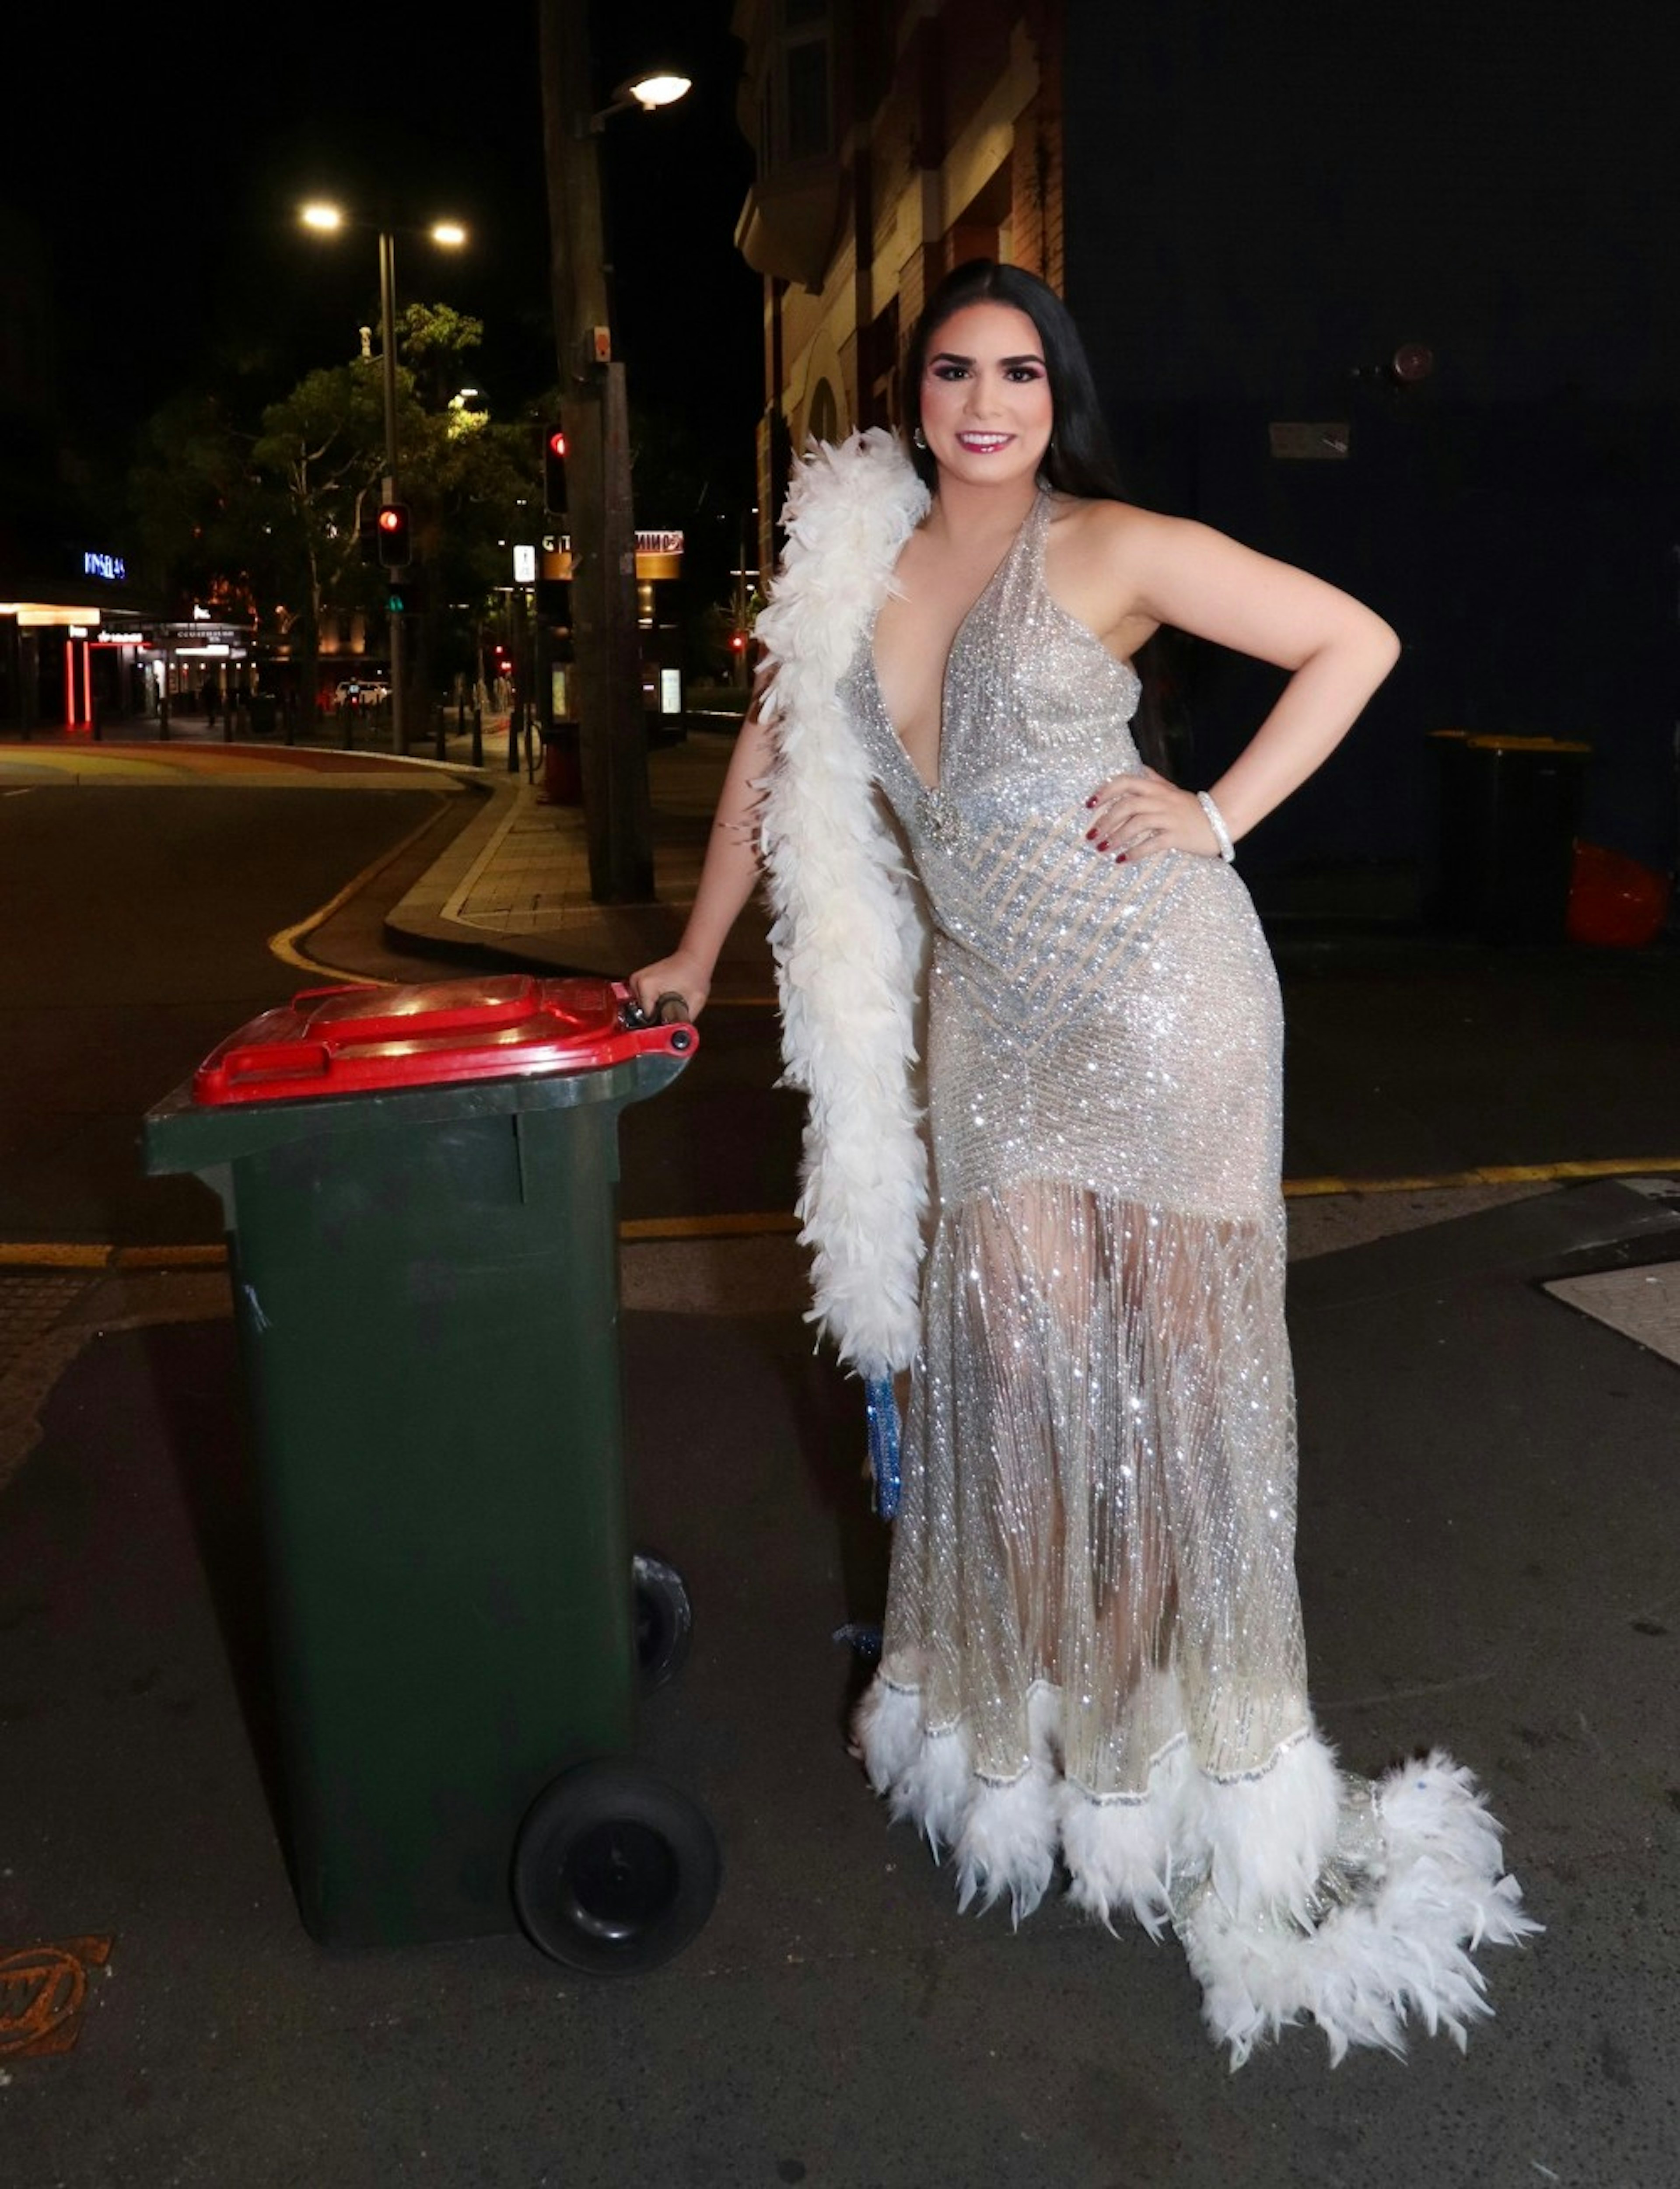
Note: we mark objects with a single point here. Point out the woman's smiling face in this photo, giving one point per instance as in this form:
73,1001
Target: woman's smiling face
985,402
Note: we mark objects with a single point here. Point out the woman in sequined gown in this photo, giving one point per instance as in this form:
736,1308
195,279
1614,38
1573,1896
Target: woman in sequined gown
1092,1649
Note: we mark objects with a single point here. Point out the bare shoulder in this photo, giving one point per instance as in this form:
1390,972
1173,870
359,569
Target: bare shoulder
1098,558
1117,532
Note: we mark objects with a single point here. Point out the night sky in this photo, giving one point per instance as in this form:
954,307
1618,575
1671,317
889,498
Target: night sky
162,158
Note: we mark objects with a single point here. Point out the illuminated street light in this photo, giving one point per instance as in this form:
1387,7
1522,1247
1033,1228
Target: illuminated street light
659,88
653,88
328,219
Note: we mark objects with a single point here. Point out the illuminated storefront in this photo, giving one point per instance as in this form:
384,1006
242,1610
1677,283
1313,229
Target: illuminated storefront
658,560
74,647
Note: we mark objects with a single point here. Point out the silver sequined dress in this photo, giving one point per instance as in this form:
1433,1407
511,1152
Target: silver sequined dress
1097,1509
1093,1652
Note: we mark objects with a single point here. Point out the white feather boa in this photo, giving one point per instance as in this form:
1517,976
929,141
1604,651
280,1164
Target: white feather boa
849,931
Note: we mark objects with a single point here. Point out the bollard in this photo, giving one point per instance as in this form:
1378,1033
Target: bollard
346,727
163,718
289,716
440,748
478,735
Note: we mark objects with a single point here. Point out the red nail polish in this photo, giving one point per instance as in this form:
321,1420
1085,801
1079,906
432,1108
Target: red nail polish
1089,833
1089,802
1102,846
1119,858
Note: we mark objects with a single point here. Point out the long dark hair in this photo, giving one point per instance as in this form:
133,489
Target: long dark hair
1079,459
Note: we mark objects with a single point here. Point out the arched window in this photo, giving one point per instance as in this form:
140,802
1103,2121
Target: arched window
823,420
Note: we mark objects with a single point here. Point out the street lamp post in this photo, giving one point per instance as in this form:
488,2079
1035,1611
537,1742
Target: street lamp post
387,343
612,727
328,219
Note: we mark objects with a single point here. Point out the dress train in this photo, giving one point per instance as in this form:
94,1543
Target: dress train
1296,1891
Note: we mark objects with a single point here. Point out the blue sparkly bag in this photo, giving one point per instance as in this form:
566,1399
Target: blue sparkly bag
883,1412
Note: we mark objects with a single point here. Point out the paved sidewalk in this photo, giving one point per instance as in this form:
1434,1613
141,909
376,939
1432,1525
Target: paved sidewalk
515,882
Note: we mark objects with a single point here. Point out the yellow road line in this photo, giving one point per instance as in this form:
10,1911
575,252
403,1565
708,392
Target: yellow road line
168,1257
1485,1174
759,1223
638,1230
49,1256
283,944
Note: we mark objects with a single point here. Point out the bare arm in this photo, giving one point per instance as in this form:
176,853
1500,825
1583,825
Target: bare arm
728,878
1337,650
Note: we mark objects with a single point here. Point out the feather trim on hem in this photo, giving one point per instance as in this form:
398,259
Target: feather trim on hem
1398,1950
1297,1893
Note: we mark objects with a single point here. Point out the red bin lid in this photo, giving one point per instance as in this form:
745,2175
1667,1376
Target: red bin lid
365,1040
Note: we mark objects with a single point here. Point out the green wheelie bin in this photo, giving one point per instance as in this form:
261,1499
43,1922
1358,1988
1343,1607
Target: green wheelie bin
419,1190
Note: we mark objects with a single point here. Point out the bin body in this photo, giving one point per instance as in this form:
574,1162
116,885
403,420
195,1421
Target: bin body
1510,807
426,1292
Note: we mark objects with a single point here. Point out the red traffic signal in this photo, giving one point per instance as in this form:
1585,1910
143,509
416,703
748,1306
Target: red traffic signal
554,471
392,527
738,643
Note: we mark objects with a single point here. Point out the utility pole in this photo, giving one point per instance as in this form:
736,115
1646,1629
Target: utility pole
613,730
388,328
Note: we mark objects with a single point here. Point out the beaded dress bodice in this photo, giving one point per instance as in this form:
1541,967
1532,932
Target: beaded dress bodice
1043,946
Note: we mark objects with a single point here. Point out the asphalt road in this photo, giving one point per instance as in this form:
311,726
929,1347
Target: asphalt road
139,923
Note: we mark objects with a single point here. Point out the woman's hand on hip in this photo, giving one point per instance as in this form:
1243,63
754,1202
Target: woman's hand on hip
1133,814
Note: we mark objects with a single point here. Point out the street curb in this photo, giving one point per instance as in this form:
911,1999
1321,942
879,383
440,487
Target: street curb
417,919
604,941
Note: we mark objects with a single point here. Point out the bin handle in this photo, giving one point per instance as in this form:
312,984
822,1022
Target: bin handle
667,1009
276,1060
477,1017
668,1018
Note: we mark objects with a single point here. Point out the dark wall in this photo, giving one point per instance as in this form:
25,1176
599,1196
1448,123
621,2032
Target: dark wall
1262,204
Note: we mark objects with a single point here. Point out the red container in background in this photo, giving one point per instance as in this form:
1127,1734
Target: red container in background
1616,901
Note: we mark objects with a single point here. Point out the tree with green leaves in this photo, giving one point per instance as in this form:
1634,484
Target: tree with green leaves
322,448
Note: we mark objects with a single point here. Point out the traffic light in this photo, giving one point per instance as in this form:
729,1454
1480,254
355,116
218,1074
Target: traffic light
393,522
554,471
405,595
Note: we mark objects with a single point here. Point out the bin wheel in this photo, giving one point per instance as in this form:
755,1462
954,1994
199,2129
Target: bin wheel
613,1870
664,1620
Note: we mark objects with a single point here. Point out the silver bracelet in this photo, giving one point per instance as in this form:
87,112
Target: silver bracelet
1216,822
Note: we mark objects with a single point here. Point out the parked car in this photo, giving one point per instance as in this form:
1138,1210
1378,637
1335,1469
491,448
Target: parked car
361,691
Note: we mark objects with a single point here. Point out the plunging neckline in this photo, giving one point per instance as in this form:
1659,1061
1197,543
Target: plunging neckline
931,790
